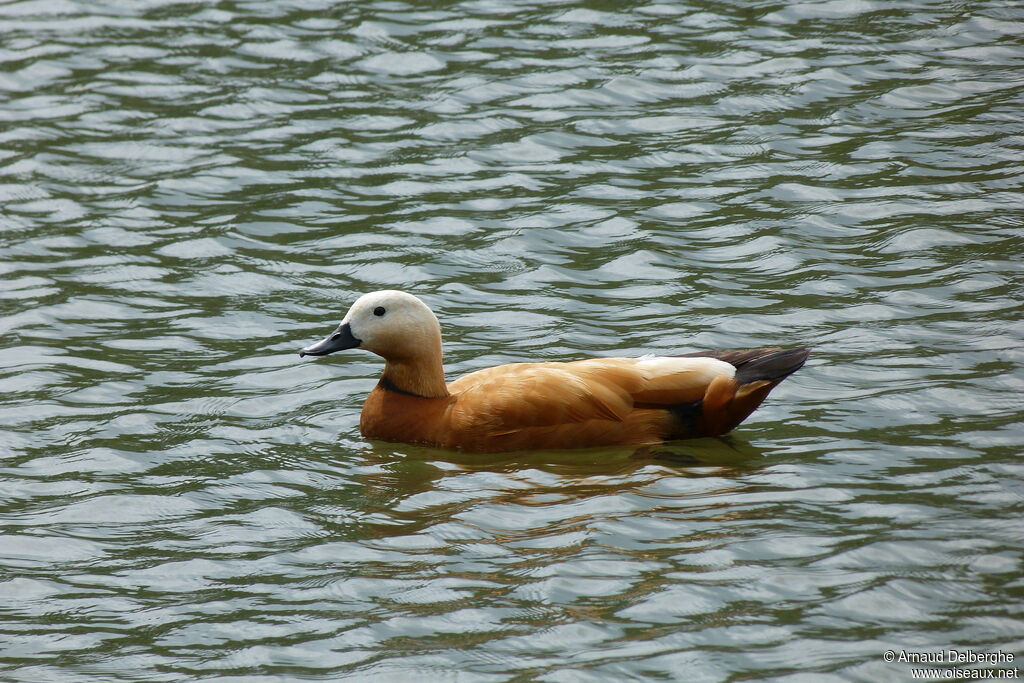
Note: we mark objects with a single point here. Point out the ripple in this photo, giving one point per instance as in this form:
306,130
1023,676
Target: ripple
402,63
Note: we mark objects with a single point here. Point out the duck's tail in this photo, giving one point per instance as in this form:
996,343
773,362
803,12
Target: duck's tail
727,402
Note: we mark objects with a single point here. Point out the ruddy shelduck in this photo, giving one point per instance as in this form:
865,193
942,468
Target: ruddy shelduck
520,406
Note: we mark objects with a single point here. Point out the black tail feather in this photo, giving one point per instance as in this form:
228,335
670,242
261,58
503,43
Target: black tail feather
772,366
753,365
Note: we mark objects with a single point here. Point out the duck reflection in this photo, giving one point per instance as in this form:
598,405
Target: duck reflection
408,489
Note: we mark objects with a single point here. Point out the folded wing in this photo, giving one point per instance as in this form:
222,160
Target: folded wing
505,399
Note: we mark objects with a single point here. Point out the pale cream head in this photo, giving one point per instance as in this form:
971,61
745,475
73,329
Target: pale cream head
394,324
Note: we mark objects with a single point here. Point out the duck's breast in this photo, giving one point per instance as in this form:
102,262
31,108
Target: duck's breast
393,416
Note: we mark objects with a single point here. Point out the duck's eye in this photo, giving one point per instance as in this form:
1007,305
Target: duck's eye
379,311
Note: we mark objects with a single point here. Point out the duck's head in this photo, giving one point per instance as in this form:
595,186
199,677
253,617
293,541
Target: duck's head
390,323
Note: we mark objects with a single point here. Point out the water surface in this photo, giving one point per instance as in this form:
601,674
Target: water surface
193,191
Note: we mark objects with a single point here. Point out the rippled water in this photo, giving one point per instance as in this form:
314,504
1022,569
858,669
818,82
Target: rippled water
192,191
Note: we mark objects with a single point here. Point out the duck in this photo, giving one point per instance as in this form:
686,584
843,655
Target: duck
635,402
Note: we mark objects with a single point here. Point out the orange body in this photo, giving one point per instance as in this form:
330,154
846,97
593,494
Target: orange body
599,402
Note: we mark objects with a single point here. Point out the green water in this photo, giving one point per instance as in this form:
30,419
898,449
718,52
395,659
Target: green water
190,192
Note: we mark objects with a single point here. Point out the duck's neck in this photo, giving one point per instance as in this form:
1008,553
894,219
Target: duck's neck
420,375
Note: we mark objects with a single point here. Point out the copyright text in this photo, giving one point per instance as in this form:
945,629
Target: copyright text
951,656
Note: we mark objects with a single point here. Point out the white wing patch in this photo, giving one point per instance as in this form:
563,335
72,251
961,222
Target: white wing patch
706,369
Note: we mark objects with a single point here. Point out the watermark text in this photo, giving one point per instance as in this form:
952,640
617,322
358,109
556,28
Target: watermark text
957,664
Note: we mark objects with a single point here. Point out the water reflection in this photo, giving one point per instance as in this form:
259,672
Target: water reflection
410,490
